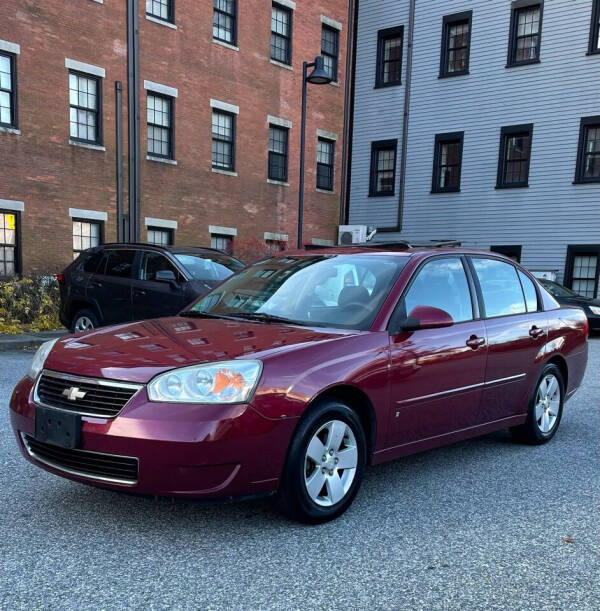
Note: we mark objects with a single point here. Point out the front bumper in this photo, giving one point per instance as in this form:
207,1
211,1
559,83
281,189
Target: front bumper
207,451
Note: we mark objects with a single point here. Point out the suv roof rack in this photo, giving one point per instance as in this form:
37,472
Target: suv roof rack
397,244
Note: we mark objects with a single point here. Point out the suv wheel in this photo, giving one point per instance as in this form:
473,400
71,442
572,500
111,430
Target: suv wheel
84,320
325,464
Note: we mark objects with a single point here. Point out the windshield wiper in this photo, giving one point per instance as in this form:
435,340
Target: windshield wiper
263,317
199,314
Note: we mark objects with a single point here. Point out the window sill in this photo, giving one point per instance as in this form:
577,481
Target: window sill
382,194
281,183
10,130
442,191
386,85
325,191
518,186
227,45
334,83
592,181
224,172
453,74
594,52
159,21
161,160
527,63
280,64
87,145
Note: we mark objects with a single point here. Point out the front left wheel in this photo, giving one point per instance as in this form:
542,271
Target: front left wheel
325,464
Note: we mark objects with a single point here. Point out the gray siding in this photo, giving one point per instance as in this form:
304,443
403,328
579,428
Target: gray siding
378,112
553,95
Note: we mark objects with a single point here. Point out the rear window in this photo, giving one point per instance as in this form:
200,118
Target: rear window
91,262
500,286
119,263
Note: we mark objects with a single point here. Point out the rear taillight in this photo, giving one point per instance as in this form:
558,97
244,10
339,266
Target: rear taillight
60,278
586,326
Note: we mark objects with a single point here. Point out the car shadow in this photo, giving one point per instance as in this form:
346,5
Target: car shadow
387,483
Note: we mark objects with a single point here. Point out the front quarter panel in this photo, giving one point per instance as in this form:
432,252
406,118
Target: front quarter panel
293,380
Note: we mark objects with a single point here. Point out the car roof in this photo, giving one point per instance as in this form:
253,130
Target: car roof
402,250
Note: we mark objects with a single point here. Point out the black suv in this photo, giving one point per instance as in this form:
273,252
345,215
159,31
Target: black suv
116,283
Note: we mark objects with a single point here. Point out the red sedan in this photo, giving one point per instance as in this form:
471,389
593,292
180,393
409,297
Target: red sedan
296,372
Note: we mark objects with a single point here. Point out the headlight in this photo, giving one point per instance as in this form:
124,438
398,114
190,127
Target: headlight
595,310
226,382
37,364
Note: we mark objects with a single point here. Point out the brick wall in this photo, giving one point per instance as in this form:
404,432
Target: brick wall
41,169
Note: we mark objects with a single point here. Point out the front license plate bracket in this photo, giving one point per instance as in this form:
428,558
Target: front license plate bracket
57,427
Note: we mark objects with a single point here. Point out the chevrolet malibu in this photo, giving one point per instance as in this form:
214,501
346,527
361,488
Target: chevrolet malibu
295,373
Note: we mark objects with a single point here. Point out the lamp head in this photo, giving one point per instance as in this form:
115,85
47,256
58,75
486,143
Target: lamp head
319,76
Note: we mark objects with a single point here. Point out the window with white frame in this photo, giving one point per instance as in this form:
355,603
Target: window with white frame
160,125
225,21
221,242
160,236
84,101
223,138
160,9
86,234
8,98
8,243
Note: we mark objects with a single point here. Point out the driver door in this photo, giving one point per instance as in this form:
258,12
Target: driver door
437,375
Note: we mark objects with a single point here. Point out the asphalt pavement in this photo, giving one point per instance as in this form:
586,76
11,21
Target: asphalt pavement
483,524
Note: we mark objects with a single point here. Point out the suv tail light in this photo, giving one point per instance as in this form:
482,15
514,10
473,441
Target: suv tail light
60,278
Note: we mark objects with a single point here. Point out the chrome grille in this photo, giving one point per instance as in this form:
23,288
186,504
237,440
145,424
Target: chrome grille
85,396
95,465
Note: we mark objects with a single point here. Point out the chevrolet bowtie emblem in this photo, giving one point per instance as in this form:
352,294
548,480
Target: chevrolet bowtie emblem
73,393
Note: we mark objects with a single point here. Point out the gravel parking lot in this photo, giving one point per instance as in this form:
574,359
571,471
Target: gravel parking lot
480,524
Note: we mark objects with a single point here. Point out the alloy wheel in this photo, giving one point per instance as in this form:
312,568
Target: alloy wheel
83,323
330,463
547,403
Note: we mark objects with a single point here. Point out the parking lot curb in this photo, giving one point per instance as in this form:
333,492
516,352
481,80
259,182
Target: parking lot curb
27,341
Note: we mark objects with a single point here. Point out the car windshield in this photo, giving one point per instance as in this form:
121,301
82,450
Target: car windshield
213,267
557,290
339,291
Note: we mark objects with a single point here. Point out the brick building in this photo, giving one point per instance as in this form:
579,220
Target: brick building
215,154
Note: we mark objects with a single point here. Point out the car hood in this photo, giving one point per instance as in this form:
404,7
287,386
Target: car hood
138,351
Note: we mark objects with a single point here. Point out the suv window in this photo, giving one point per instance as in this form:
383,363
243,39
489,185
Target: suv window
119,263
500,287
442,284
91,262
153,262
531,299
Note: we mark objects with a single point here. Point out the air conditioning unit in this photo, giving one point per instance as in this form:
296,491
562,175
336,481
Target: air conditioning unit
352,234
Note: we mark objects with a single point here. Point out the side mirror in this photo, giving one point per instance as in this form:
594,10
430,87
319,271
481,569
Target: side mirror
165,275
426,317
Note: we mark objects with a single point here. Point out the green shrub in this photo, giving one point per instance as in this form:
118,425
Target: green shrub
29,304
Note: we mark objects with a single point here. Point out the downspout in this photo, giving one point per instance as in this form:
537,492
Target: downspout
405,116
133,120
348,110
119,158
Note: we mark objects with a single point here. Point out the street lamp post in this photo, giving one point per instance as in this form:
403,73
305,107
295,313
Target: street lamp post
319,76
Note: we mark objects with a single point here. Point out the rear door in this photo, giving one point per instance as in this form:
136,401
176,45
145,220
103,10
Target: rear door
110,287
153,299
516,329
437,374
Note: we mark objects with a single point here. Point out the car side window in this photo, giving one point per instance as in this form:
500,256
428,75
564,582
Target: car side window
531,299
441,283
90,265
500,287
119,263
153,262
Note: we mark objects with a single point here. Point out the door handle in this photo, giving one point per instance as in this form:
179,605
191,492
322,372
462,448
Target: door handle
139,292
96,283
536,332
475,342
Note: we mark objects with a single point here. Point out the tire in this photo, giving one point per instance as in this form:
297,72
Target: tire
320,434
545,409
84,320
